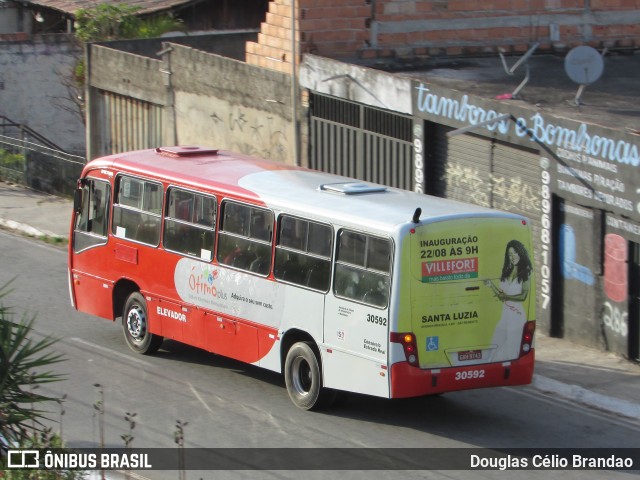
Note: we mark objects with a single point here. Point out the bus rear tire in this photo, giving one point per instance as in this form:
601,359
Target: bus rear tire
302,375
135,326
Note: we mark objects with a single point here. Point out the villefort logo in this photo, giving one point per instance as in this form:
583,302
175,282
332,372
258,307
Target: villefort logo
446,270
202,283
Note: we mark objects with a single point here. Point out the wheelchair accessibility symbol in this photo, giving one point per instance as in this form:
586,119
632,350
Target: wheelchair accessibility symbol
432,344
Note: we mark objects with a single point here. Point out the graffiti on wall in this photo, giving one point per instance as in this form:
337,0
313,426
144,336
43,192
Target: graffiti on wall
615,319
250,134
470,180
231,127
514,191
507,191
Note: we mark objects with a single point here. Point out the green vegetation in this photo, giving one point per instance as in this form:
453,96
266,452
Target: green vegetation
24,364
106,22
23,369
11,166
43,440
121,22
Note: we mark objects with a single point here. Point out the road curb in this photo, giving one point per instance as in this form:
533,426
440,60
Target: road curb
586,397
28,230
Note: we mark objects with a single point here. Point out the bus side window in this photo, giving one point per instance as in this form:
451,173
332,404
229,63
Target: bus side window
92,219
244,239
303,253
363,267
137,210
189,226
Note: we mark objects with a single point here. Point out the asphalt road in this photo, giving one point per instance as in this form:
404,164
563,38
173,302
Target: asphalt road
229,404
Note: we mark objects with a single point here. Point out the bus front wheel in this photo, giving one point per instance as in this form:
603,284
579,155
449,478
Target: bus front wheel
303,378
135,326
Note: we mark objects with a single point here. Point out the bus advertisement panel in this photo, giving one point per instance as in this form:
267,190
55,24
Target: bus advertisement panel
469,297
471,290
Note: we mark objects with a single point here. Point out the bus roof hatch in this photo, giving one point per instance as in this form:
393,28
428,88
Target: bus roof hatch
186,151
352,188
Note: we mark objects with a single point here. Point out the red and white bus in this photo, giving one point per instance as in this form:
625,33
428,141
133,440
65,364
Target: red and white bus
341,285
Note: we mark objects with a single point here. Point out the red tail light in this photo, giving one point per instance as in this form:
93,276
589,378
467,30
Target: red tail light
408,342
527,337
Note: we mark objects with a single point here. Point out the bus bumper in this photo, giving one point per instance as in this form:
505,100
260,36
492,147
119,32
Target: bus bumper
408,381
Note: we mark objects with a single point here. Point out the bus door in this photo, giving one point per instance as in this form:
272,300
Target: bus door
357,315
91,293
471,290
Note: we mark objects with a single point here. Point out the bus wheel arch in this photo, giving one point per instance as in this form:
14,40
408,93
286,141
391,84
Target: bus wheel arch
121,291
135,325
292,337
303,374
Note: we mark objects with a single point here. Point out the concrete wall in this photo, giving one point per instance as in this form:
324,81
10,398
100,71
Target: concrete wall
127,74
9,17
228,44
206,99
32,91
356,83
230,105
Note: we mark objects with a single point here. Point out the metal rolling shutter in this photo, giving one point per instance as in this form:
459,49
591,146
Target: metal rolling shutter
517,180
461,167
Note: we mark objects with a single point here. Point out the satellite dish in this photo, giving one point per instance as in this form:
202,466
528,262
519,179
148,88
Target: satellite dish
584,66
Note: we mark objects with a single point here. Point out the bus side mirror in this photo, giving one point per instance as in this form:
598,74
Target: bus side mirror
77,200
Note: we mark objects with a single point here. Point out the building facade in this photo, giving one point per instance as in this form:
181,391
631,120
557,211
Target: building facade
407,32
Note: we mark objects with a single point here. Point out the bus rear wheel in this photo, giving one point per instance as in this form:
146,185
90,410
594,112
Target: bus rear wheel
135,326
304,380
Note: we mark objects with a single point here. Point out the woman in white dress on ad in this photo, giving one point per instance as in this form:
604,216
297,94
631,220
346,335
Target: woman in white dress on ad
512,292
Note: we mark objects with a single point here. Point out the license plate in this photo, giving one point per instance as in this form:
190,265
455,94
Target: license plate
469,355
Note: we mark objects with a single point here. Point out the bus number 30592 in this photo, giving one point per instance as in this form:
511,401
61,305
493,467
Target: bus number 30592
376,320
470,375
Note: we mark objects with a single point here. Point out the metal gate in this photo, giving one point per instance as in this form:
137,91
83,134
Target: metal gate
356,140
127,124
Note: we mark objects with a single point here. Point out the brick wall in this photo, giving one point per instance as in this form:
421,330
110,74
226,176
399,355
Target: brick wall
371,30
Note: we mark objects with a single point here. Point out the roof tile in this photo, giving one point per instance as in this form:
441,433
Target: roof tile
71,6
